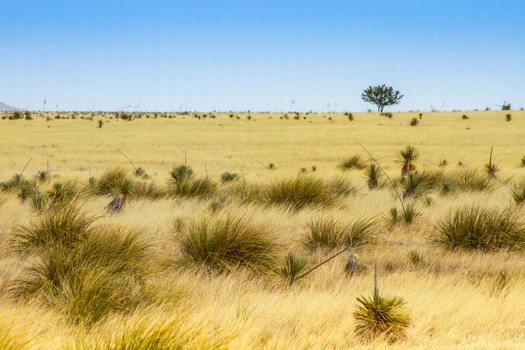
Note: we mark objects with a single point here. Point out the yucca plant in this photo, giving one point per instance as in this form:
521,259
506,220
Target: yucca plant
291,268
223,244
181,173
329,233
373,176
381,316
406,158
477,228
392,218
410,213
112,182
63,193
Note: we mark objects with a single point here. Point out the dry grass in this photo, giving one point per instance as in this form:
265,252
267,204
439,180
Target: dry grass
454,298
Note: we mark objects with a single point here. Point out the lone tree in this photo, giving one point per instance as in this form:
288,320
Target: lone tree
381,96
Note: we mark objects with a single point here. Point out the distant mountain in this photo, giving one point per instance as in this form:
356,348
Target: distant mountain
4,107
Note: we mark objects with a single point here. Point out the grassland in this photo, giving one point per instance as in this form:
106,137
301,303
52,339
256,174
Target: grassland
456,298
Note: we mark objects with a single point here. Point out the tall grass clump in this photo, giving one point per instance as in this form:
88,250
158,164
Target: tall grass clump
354,162
476,228
112,182
414,185
464,180
223,244
63,193
60,228
300,192
184,184
328,233
102,274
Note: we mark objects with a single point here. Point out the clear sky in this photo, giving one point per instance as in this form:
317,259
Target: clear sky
263,55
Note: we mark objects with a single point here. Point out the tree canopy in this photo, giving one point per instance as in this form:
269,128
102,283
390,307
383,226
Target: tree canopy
381,96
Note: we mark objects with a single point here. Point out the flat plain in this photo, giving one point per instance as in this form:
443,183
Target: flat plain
454,297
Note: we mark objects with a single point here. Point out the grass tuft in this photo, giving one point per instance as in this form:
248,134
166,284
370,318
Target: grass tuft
476,228
517,192
354,162
223,244
291,268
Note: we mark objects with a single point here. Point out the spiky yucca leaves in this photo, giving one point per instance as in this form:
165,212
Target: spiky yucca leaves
63,228
181,173
414,185
406,158
354,162
517,192
329,233
300,192
100,275
373,176
476,228
381,317
63,193
222,244
410,213
291,268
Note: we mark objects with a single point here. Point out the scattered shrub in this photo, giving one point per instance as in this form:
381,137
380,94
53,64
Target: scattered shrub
508,117
112,182
354,162
506,106
185,185
464,117
414,122
222,244
476,228
229,177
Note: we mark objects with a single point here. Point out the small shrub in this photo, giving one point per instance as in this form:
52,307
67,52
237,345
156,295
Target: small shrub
181,173
392,218
354,162
112,182
476,228
414,185
223,244
140,172
328,233
523,161
340,187
414,122
229,177
464,117
43,176
506,106
415,258
291,268
410,213
508,117
443,163
63,193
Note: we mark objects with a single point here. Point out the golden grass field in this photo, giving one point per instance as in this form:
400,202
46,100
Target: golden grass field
453,298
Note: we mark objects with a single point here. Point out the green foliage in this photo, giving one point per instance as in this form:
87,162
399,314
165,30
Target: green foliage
63,193
329,233
381,96
476,228
354,162
414,185
222,244
181,173
373,176
381,317
38,201
301,192
61,228
410,213
291,268
506,106
184,184
406,158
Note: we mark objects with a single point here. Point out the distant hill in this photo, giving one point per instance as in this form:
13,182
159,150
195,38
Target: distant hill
4,107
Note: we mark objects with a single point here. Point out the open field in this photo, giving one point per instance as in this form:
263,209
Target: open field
455,298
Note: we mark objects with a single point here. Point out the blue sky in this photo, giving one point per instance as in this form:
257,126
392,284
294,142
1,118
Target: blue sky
260,55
